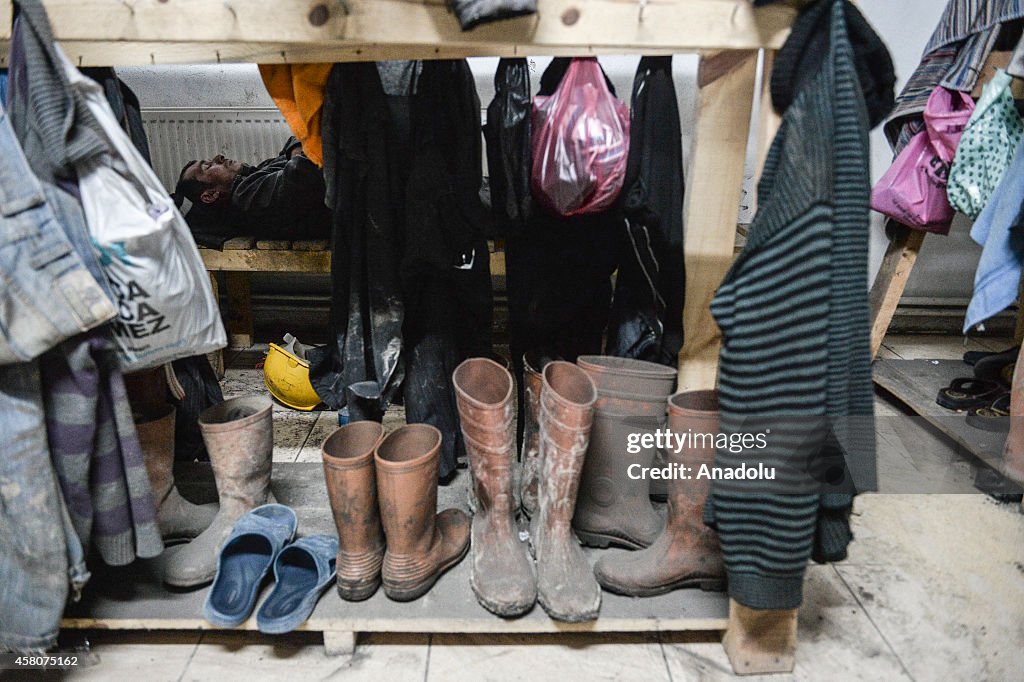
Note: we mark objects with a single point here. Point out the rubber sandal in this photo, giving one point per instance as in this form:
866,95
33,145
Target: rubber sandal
244,562
994,417
993,367
303,571
964,393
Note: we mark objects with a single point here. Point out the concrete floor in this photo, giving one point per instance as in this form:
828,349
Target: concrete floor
933,590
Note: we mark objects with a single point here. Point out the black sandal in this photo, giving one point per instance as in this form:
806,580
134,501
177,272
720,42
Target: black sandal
998,366
994,417
964,393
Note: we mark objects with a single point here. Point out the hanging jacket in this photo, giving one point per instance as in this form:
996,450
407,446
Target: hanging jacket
795,358
507,133
125,105
298,91
646,320
89,421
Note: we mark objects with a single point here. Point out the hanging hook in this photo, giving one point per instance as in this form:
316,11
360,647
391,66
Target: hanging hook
640,15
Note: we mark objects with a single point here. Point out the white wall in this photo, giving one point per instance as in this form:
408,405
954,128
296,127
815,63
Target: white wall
944,270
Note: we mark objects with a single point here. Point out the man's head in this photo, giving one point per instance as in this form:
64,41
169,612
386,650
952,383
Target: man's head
208,181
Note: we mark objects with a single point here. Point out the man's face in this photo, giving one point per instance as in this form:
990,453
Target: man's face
218,172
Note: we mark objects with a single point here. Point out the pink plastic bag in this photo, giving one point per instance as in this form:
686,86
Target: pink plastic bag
913,190
579,143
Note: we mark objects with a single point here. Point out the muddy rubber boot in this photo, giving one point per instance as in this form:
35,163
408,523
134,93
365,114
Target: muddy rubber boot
1013,451
239,435
529,462
566,587
613,508
687,553
352,488
420,545
177,517
502,579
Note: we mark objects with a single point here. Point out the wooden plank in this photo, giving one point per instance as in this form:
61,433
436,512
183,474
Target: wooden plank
311,245
6,17
887,290
758,642
714,180
917,382
216,358
134,598
267,261
768,120
239,313
239,243
273,244
155,31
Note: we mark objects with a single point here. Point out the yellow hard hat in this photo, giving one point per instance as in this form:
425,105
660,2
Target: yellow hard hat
287,379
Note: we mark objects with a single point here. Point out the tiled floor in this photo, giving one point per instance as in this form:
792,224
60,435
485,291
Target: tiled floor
933,590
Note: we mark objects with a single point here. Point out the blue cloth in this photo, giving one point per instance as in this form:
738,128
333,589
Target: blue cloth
3,87
998,231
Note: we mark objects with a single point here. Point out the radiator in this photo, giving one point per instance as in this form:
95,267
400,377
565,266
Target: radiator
177,136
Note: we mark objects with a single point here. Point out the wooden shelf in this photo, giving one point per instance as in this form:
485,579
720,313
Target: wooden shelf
112,32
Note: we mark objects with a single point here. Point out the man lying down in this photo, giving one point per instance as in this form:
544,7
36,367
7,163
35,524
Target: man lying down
281,198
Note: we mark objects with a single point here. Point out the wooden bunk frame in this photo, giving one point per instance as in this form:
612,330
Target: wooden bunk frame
729,35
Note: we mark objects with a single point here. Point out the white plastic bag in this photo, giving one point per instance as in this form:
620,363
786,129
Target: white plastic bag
166,308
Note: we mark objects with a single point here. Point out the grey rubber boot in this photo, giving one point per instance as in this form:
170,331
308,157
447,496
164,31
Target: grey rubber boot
239,435
177,517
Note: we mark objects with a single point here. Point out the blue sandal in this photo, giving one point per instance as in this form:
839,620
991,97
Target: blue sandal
303,571
255,542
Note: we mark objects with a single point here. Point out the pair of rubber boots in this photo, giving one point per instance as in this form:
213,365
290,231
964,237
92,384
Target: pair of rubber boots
239,437
383,493
503,576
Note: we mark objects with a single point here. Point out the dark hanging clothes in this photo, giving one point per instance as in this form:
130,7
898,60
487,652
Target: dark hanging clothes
507,133
125,105
411,276
474,12
558,274
646,320
795,357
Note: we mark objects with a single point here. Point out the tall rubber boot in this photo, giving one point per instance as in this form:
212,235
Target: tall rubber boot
566,587
529,461
420,545
613,508
352,489
502,578
1013,451
687,553
177,517
363,401
239,435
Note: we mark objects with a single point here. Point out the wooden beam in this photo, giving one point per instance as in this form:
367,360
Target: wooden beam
6,17
714,180
887,290
760,642
254,260
104,32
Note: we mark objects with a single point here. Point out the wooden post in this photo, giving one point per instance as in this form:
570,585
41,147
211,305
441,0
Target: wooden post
714,180
759,642
892,278
6,17
239,317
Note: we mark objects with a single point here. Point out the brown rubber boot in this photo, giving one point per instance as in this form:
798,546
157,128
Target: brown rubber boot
239,435
502,578
529,462
1013,451
352,489
566,587
177,517
420,545
686,554
614,508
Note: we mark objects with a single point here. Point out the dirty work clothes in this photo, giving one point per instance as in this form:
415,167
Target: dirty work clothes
298,91
1000,231
646,320
125,105
474,12
793,311
411,288
282,197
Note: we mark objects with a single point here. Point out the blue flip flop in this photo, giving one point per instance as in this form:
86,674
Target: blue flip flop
303,571
246,558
